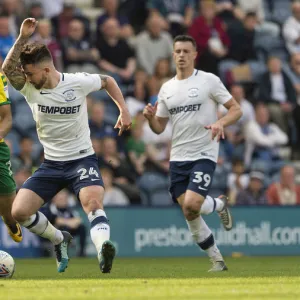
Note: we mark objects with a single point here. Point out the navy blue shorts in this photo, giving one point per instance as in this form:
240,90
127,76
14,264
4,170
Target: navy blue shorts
196,176
53,176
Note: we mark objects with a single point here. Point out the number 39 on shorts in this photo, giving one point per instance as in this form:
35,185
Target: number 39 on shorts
203,179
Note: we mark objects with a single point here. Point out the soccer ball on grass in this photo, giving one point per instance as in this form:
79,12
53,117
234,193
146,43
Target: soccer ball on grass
7,265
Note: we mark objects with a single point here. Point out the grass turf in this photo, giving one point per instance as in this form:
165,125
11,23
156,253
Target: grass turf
155,278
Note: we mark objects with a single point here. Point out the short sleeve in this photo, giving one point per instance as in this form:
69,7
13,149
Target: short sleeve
218,91
162,109
89,82
4,96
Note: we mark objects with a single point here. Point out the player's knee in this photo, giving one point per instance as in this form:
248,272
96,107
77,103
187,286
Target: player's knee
20,215
191,207
91,198
92,204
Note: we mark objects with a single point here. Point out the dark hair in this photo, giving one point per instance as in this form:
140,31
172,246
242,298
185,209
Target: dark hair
185,38
35,53
251,14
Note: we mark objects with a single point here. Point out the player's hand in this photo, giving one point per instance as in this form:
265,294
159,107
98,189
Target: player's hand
124,121
150,110
28,27
217,130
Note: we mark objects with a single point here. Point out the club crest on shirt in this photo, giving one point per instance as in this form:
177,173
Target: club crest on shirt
193,92
69,95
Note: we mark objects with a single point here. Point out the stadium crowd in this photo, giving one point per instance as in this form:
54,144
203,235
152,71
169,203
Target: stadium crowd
254,46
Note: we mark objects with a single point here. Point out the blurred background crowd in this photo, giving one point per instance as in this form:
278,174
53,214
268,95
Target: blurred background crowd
254,46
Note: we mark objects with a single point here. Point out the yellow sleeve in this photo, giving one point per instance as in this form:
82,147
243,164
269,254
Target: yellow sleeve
4,96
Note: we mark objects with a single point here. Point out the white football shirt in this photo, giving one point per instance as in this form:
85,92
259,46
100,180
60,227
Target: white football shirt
61,115
191,104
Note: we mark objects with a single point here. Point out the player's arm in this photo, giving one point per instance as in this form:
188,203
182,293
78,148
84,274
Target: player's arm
234,113
156,123
113,90
10,65
5,120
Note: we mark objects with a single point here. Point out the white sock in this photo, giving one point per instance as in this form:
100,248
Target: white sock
210,205
100,230
214,253
40,225
199,229
202,235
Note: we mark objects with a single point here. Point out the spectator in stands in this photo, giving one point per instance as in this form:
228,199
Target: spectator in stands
123,175
35,10
64,217
177,14
61,22
161,74
158,149
254,194
291,29
237,180
25,155
13,10
111,11
228,11
21,176
263,139
98,126
113,196
78,54
286,191
293,72
6,38
211,37
97,145
152,45
255,6
136,102
117,58
44,35
136,149
241,64
51,8
277,92
235,133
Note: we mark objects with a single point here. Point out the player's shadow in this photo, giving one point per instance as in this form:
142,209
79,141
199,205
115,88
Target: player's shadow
156,268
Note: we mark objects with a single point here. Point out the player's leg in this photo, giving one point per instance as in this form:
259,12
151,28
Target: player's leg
91,198
7,194
200,180
41,187
88,186
219,205
191,203
13,227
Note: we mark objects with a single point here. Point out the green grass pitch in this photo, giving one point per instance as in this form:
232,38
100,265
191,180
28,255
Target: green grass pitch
155,278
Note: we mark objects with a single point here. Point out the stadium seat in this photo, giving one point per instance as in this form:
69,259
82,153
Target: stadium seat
154,189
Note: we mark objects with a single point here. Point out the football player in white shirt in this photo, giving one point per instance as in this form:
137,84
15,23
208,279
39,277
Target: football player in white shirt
190,100
58,104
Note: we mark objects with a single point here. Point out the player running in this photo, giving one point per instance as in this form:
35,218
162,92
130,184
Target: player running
190,100
58,104
7,183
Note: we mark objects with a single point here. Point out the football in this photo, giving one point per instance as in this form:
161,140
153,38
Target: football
7,265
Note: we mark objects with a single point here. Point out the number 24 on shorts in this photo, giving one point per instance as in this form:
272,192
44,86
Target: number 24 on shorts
200,177
85,174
